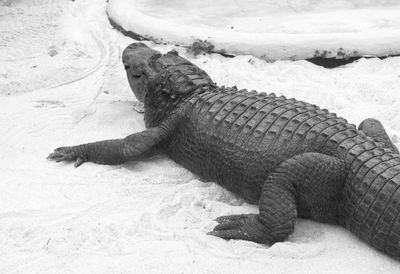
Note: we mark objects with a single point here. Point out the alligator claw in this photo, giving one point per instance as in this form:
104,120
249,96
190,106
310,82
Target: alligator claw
66,154
229,234
79,161
242,227
230,218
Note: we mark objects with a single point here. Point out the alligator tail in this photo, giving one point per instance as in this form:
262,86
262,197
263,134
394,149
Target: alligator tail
371,197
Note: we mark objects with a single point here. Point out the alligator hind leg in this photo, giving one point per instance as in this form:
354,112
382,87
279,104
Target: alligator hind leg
374,129
308,185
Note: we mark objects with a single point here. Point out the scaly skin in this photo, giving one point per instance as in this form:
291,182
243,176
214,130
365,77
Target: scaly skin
290,157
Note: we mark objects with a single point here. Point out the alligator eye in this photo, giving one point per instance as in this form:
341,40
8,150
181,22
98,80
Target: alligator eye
165,91
126,67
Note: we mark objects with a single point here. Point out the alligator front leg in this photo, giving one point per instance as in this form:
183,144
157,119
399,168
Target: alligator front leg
111,152
117,151
308,185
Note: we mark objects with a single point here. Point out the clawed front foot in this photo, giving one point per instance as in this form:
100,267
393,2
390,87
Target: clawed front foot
67,154
244,227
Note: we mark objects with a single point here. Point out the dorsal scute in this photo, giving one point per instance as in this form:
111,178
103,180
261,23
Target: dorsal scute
181,81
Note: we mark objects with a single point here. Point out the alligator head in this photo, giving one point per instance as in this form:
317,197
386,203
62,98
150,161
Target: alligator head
138,59
178,76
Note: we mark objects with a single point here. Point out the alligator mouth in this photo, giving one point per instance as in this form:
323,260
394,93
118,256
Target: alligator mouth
137,82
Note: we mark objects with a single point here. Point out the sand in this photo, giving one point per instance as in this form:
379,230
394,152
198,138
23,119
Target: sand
63,83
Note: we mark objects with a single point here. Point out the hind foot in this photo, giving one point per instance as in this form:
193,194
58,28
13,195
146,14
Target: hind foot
243,227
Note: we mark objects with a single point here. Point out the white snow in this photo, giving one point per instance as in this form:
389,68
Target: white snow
62,83
270,29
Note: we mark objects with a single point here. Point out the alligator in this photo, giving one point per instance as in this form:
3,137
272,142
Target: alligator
290,157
